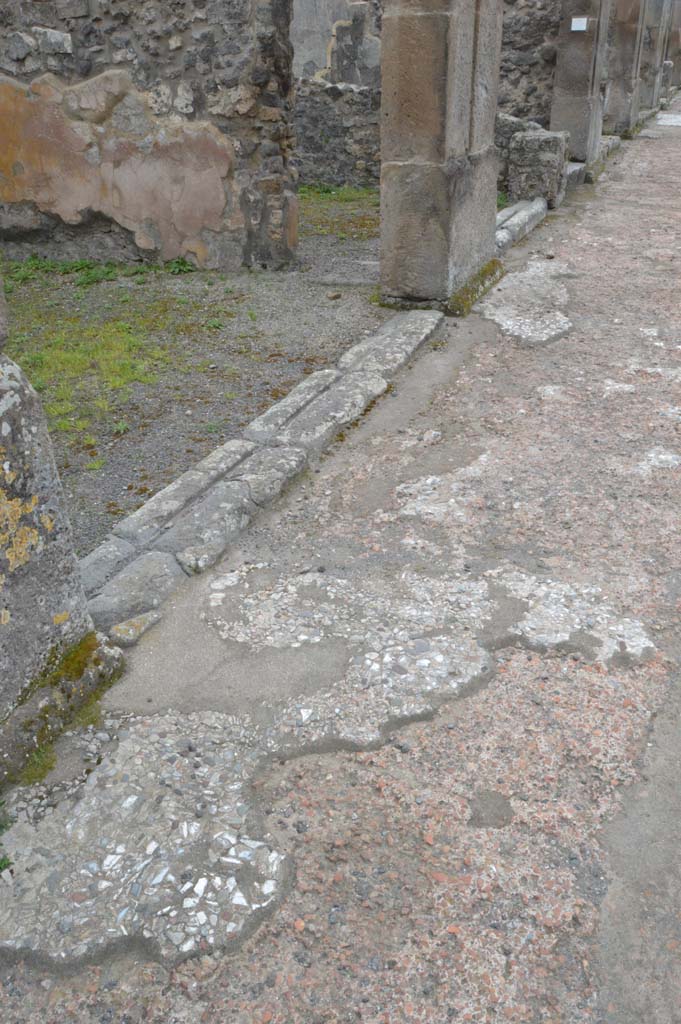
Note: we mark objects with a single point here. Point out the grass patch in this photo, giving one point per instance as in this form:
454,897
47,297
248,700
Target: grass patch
179,266
77,365
343,211
86,272
502,200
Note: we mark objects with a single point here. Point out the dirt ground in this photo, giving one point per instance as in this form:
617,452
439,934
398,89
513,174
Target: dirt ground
143,372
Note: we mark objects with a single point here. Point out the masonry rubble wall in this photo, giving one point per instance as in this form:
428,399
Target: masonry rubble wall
505,127
528,58
537,167
338,134
152,131
338,40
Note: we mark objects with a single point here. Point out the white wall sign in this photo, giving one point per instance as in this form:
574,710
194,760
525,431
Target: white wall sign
579,24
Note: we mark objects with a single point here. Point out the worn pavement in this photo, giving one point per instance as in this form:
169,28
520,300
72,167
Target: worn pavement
411,753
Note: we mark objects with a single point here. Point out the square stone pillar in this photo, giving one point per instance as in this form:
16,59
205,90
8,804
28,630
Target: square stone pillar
440,68
579,88
656,32
624,64
674,45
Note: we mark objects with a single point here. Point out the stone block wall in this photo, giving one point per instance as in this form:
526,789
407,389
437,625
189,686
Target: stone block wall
152,130
528,57
338,136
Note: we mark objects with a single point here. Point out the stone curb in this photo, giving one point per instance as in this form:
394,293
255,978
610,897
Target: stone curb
187,527
523,218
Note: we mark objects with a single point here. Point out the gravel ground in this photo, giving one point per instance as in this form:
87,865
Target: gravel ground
441,672
210,352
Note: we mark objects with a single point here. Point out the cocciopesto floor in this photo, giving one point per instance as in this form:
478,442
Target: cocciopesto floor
410,753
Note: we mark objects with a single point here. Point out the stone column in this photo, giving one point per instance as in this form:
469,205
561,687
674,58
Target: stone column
655,38
50,657
623,101
674,46
440,67
578,91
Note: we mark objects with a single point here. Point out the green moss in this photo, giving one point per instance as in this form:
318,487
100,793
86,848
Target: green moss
89,713
376,299
71,665
64,667
71,704
463,300
502,200
39,763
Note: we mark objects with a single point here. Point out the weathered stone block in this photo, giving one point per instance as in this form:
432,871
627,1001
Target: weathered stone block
414,87
322,420
50,41
200,536
415,216
524,217
537,166
386,351
144,525
267,426
19,45
141,587
100,565
268,470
